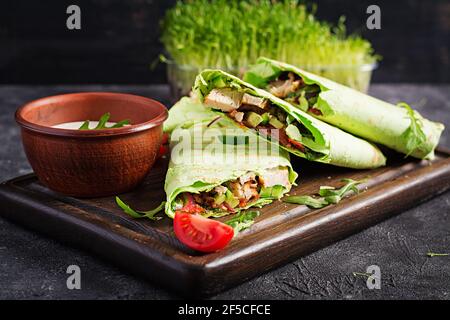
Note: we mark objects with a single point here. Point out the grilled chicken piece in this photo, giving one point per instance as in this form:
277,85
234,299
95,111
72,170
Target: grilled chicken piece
281,88
254,101
250,190
247,177
236,188
220,189
226,99
275,176
238,116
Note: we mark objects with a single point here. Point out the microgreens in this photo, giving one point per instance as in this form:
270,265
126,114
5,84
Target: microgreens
231,35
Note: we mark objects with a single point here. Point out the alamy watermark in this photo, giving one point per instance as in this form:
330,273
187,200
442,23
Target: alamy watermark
74,280
374,20
374,280
73,22
373,275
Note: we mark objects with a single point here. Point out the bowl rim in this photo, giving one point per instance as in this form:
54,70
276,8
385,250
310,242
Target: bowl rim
154,122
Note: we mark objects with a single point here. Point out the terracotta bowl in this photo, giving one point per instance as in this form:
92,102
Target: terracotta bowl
91,163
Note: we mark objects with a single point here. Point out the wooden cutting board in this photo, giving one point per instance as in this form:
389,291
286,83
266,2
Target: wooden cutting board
281,234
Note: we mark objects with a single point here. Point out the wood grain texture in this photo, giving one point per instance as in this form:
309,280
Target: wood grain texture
281,234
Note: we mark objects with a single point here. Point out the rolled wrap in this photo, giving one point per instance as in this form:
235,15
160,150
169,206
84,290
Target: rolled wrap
205,167
330,145
358,113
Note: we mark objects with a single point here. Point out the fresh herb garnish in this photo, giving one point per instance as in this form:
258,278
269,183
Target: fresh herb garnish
432,254
361,274
315,203
215,214
102,123
414,135
242,221
327,195
84,126
140,214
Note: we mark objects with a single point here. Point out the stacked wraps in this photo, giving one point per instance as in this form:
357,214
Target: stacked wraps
215,172
285,118
295,131
397,127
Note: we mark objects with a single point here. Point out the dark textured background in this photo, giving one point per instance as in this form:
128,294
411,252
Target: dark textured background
119,40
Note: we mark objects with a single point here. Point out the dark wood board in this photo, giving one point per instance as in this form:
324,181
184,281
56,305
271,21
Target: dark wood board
281,234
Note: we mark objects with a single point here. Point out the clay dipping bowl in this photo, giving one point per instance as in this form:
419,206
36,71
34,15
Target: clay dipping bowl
91,163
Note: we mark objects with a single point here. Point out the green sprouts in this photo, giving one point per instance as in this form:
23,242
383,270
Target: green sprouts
231,35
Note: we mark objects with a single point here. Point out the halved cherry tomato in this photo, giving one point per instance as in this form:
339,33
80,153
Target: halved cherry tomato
200,233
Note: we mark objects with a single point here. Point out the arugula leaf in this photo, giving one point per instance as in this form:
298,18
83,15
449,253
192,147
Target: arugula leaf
316,203
361,274
215,214
328,195
414,135
275,192
432,254
351,185
103,120
242,221
102,123
140,214
120,124
84,126
333,199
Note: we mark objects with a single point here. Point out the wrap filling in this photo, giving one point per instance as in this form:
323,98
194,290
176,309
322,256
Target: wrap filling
234,195
291,88
265,117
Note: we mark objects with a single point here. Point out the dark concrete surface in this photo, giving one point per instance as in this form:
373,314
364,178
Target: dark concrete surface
33,266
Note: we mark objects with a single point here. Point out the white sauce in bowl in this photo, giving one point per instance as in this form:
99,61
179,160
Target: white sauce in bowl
77,124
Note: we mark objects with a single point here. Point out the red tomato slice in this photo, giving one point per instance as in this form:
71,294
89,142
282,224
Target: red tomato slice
200,233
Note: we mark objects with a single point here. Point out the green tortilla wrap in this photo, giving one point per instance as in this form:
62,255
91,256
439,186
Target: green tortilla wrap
300,133
397,127
214,165
186,113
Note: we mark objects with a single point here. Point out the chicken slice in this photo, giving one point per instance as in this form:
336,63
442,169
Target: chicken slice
274,177
225,99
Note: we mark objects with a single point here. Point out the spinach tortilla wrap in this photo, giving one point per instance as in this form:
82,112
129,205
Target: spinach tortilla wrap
214,172
276,120
186,113
397,127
